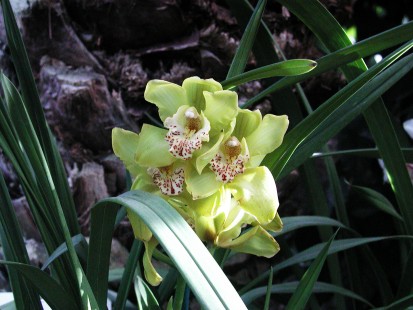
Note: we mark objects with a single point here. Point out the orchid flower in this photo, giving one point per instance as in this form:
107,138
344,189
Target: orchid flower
205,163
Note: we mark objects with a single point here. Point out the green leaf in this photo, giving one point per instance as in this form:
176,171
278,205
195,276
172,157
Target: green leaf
80,244
374,198
207,281
14,250
51,291
403,303
290,287
343,56
367,152
268,293
305,287
128,274
312,252
101,231
283,68
316,17
34,108
247,41
291,223
337,112
144,295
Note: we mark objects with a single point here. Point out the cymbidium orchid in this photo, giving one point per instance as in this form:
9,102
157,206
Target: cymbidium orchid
205,163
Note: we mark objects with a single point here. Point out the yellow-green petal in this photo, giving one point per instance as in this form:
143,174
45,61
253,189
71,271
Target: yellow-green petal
201,185
221,108
168,97
276,225
140,230
256,192
247,122
194,88
256,241
204,155
125,145
153,150
207,227
268,135
143,181
151,275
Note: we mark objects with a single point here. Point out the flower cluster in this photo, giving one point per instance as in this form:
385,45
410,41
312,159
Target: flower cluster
205,162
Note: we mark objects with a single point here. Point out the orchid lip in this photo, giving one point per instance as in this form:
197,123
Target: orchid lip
187,130
170,181
229,161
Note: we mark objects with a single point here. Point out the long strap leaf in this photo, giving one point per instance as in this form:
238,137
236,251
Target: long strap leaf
316,16
206,279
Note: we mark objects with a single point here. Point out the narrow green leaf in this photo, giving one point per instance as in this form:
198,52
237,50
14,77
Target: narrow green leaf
337,112
316,16
343,56
247,41
179,293
49,289
368,152
54,217
312,252
403,303
290,287
268,293
14,250
305,287
144,295
128,274
374,198
207,281
34,107
101,231
284,68
292,223
80,244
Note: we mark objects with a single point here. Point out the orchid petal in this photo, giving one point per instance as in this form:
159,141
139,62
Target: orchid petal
208,151
201,185
187,131
276,224
168,97
144,182
153,150
256,241
256,192
125,145
247,122
221,108
207,227
140,230
268,135
151,275
195,87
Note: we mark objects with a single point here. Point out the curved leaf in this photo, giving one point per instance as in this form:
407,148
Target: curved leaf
283,68
375,199
291,223
247,41
305,287
207,281
290,287
51,291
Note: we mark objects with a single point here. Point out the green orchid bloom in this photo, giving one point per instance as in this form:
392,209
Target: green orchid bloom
194,113
205,163
251,199
161,175
252,138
